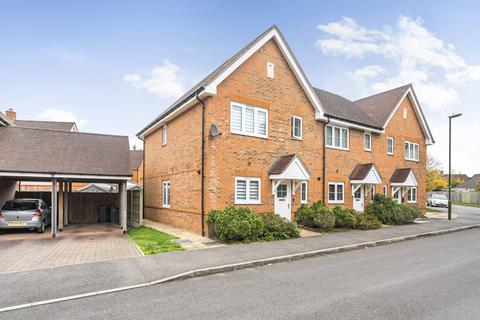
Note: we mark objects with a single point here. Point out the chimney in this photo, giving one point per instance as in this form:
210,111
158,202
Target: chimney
11,115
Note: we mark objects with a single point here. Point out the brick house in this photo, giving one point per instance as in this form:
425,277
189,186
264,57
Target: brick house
256,133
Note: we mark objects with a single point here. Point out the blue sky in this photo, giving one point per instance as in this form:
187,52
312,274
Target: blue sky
114,65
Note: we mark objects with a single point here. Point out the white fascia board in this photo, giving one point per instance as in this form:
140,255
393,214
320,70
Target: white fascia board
187,104
62,176
354,126
212,87
418,112
287,175
411,181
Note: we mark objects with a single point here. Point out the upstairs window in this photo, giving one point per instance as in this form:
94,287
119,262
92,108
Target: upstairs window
389,145
270,70
368,141
297,128
411,151
164,135
247,190
337,137
247,120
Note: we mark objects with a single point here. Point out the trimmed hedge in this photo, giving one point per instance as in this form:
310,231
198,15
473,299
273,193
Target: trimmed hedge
367,221
344,218
316,216
240,224
390,212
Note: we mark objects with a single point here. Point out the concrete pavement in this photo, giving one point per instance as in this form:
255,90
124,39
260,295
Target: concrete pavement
84,278
431,278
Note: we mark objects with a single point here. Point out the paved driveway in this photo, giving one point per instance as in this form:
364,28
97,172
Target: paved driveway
21,250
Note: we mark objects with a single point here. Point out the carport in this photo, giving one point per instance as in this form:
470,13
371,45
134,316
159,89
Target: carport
63,158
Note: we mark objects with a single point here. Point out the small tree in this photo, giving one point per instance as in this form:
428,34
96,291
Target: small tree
435,179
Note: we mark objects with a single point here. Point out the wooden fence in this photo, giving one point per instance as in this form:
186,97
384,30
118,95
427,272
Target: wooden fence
465,197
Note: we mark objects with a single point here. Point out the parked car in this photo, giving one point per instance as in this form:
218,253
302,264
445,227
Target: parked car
31,214
437,200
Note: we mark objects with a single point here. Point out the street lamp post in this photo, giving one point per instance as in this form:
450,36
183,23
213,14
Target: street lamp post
450,163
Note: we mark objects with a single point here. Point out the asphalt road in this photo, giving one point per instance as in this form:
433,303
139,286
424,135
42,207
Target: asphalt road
431,278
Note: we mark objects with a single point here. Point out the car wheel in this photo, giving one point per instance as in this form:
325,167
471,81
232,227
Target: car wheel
41,229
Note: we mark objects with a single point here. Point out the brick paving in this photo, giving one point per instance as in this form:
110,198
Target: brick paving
23,250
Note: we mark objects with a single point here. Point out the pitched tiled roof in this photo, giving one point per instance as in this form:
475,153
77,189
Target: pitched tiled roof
380,105
48,151
281,164
400,175
46,125
460,176
471,183
342,108
361,171
136,158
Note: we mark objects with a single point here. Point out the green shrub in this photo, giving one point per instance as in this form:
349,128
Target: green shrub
367,221
388,211
324,218
344,218
305,216
278,228
236,224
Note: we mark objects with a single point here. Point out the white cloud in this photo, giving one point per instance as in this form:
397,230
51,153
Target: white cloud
369,72
61,115
419,57
164,81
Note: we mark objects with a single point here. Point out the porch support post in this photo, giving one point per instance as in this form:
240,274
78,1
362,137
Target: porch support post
123,205
54,208
141,208
61,205
65,206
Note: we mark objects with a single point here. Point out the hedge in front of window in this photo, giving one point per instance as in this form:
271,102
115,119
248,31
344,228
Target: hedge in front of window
388,211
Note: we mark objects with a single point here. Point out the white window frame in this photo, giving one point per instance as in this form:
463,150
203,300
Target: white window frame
393,150
304,184
365,141
270,70
166,194
293,128
385,191
333,137
409,195
336,184
373,191
411,146
247,190
243,132
164,135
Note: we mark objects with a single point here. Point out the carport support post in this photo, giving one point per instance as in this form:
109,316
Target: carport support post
54,208
61,205
65,205
123,205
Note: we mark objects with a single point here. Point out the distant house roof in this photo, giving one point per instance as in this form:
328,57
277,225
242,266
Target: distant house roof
460,176
4,120
29,151
471,183
136,158
46,125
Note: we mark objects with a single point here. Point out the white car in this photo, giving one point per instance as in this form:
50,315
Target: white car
437,200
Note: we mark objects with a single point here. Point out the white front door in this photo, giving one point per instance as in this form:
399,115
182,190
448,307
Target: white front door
283,201
358,199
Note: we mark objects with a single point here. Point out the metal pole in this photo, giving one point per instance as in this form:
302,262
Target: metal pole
53,212
449,168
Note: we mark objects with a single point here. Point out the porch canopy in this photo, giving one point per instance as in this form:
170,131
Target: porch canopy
403,178
62,158
288,167
364,174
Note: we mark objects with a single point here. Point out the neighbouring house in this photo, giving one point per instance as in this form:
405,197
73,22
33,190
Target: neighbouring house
470,184
457,178
136,163
256,133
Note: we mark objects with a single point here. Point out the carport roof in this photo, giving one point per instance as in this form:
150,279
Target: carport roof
34,151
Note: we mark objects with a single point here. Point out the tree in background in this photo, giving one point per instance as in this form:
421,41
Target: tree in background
435,178
456,181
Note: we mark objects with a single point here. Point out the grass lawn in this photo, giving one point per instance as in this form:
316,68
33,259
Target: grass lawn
432,210
466,204
152,241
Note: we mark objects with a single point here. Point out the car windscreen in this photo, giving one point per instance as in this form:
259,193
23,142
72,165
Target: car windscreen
20,205
439,196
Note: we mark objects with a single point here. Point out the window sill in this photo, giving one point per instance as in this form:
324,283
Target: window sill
248,202
336,202
295,138
249,135
166,207
390,154
337,148
413,160
368,150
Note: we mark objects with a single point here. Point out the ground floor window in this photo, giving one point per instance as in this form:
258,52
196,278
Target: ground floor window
335,192
372,193
166,194
385,191
304,192
412,195
247,190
